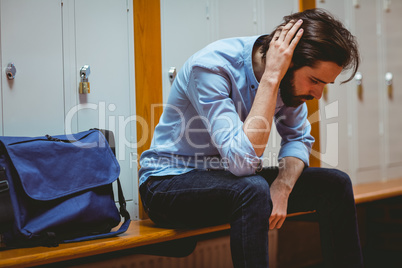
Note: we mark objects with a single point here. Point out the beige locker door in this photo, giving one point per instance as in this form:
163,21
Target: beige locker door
104,41
392,22
366,110
238,20
31,38
186,28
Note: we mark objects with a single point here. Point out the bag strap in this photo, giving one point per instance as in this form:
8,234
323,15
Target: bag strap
6,208
122,201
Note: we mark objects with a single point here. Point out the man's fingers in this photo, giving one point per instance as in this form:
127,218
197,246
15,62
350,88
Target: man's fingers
289,34
292,32
272,222
280,222
277,33
296,40
286,29
276,221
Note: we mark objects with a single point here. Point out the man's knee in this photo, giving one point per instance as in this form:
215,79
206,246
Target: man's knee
256,192
341,182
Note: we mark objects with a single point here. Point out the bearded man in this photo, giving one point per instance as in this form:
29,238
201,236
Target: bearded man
204,166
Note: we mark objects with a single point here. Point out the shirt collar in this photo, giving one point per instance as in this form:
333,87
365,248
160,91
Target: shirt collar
247,56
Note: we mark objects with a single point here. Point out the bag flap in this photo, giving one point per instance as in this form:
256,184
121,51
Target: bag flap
53,167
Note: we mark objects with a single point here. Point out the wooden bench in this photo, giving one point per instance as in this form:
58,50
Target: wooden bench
144,232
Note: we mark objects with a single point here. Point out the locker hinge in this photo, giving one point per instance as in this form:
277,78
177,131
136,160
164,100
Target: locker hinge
127,6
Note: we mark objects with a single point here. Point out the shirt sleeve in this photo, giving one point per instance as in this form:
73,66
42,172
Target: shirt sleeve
294,128
209,92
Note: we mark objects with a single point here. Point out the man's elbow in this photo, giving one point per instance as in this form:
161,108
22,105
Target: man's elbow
241,172
259,151
244,166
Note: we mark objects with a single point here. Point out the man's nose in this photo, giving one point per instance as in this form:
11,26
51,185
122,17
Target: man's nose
317,92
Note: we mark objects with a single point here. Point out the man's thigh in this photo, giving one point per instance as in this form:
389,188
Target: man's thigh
196,198
318,186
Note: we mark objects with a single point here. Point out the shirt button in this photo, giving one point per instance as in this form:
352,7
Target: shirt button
252,86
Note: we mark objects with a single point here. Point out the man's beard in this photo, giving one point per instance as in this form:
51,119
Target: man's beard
287,91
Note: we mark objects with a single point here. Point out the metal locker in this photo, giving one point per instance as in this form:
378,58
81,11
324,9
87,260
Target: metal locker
104,41
31,38
390,85
366,119
241,19
186,27
334,109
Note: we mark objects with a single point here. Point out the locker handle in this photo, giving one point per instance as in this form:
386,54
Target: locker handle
359,84
389,77
387,5
172,74
11,71
84,87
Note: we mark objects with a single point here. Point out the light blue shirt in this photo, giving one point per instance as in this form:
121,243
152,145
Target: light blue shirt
202,123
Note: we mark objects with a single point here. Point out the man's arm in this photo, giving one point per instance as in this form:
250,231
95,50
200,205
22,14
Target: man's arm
257,125
290,169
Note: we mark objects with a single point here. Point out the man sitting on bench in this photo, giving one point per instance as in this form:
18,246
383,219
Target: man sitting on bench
204,166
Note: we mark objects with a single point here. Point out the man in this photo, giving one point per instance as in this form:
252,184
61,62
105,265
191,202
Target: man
204,165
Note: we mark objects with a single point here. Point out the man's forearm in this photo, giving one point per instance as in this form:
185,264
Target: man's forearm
257,125
290,169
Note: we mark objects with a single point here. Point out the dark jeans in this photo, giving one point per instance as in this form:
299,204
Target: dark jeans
202,198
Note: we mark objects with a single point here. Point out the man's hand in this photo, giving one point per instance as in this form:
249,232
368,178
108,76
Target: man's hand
279,196
280,52
290,169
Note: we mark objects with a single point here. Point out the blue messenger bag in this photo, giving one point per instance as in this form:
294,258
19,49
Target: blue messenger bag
59,189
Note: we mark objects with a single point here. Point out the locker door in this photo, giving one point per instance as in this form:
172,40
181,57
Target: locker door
186,28
104,33
334,109
393,109
274,11
238,20
31,38
366,111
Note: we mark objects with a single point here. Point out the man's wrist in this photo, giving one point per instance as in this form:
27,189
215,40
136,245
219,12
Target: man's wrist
271,80
283,185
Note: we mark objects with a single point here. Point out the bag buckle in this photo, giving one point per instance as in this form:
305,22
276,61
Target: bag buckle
4,186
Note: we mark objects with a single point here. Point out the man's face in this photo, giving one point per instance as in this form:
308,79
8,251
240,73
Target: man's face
307,83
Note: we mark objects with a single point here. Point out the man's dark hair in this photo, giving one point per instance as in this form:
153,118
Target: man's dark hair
324,39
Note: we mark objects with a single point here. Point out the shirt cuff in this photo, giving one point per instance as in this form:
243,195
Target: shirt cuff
295,149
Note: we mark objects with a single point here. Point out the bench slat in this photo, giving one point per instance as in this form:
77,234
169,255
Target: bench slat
377,190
